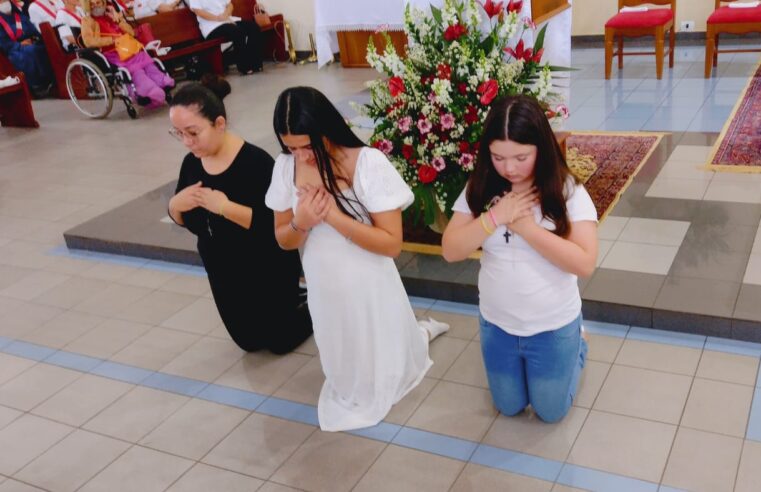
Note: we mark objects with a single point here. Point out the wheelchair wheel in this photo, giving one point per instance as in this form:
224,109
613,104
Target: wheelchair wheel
89,88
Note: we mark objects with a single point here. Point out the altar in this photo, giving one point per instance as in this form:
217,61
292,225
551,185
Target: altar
345,26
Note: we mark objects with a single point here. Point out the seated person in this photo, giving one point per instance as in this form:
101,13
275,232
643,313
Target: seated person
69,22
215,21
122,6
20,42
43,11
99,29
145,8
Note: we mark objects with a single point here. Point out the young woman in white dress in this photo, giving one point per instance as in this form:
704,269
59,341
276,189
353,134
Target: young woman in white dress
342,202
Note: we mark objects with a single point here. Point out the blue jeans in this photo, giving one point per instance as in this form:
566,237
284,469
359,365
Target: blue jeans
542,370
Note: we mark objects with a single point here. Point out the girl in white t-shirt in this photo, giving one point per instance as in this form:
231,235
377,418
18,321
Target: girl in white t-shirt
538,230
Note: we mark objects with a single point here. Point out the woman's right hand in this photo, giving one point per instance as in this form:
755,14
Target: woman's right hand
188,198
312,208
514,206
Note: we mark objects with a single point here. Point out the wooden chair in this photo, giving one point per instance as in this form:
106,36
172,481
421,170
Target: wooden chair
59,58
16,100
725,19
652,22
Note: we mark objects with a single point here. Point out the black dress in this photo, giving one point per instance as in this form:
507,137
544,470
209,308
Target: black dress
254,282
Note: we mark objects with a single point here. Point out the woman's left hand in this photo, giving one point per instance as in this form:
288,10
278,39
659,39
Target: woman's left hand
213,200
523,224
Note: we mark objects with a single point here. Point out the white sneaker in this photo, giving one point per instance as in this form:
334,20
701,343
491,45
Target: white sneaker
433,327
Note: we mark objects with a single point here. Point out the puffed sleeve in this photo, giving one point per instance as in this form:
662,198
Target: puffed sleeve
380,186
279,196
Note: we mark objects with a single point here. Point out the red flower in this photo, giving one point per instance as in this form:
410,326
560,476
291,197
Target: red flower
514,5
488,91
525,54
407,151
395,86
426,174
444,71
471,114
492,9
455,31
463,88
464,147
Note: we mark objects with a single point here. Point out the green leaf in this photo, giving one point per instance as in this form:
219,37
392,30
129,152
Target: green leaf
487,44
436,13
555,68
429,215
539,43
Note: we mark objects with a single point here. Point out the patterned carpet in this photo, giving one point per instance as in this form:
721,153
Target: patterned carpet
605,161
738,148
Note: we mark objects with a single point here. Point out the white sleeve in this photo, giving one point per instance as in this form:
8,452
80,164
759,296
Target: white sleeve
381,187
580,206
279,196
461,204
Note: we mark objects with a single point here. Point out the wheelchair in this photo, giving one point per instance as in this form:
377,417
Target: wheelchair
93,83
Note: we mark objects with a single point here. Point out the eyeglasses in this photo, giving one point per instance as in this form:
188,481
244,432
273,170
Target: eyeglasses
191,135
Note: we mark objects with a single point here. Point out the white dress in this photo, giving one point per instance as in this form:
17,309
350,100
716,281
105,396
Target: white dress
372,350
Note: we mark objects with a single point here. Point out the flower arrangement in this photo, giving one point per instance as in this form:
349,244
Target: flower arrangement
430,106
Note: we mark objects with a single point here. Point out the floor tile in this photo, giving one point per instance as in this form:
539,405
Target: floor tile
645,394
399,468
747,306
444,351
135,414
35,385
622,287
654,231
205,360
694,262
685,189
112,300
259,445
139,469
460,326
403,410
8,415
719,407
156,307
611,228
753,270
456,410
155,348
527,434
26,438
181,435
468,368
734,191
34,284
592,378
11,366
603,348
63,329
202,478
623,445
749,473
475,478
71,292
730,368
81,400
11,485
262,372
200,317
305,385
72,461
702,461
107,338
659,357
641,258
329,461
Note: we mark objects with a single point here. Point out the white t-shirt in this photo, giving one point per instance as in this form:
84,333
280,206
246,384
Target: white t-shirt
66,20
44,11
521,291
145,8
215,7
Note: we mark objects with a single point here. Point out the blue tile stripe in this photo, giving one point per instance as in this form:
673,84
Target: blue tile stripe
430,442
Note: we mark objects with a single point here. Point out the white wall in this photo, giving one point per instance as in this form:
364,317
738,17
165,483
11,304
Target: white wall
299,14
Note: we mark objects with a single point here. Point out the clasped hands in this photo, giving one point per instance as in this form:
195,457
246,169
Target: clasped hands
515,210
199,196
315,205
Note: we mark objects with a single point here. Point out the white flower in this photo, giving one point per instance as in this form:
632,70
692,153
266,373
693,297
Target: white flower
442,88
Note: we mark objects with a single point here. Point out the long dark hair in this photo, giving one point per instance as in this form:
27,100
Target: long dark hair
522,120
205,95
306,111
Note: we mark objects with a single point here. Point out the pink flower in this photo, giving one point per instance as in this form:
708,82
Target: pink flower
438,163
447,121
562,110
432,98
404,124
424,126
528,23
466,161
385,146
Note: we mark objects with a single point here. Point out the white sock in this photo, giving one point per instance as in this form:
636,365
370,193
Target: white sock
433,327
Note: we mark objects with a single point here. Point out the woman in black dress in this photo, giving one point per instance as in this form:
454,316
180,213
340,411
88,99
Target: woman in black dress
220,199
